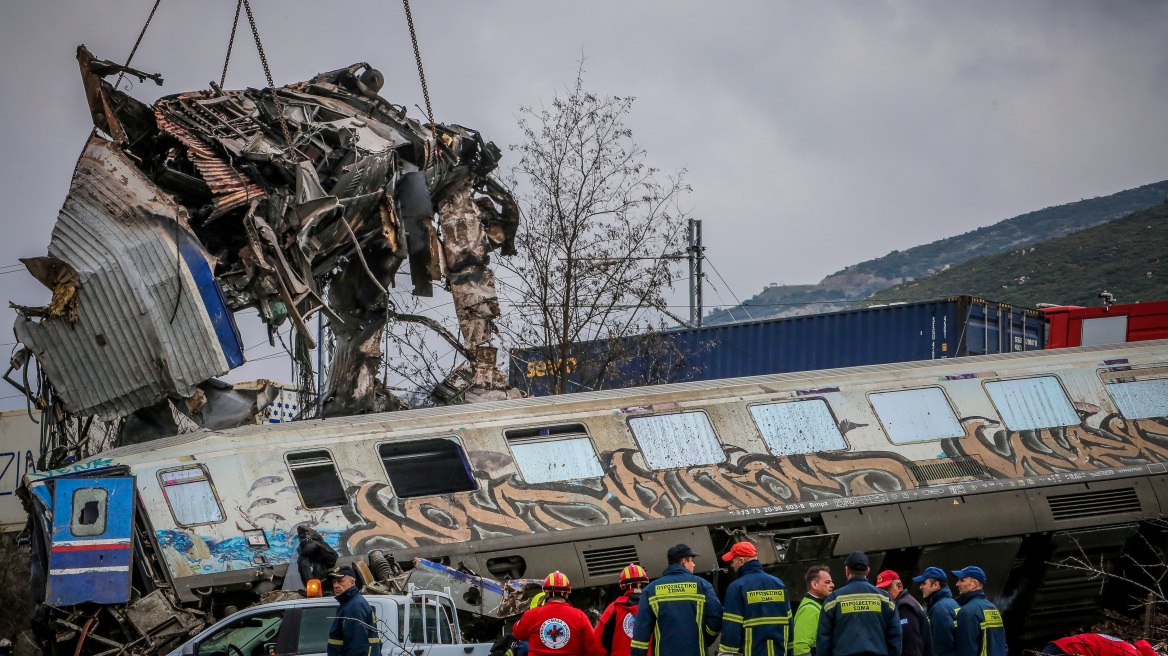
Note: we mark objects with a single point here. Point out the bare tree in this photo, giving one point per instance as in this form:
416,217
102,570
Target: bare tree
598,242
1142,570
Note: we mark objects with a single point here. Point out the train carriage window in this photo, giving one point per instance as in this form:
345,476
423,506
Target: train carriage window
916,414
317,479
1032,403
89,511
420,468
549,454
191,496
1140,399
685,439
798,427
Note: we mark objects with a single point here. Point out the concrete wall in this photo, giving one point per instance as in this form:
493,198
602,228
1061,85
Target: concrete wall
19,448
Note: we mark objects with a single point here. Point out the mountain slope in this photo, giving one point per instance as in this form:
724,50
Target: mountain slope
1128,257
844,288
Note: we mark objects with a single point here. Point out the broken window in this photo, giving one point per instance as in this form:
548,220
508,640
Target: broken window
549,454
191,496
915,415
1140,399
89,511
420,468
685,439
1032,403
798,427
317,480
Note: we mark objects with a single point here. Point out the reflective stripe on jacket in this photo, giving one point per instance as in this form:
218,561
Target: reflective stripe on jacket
858,618
943,621
756,618
806,625
353,632
679,612
980,631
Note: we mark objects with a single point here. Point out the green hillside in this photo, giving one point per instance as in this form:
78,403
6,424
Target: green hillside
1127,256
845,288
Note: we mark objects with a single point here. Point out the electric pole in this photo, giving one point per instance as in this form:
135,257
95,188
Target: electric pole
696,254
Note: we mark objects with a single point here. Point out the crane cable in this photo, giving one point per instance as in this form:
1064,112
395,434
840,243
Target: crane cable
421,73
137,43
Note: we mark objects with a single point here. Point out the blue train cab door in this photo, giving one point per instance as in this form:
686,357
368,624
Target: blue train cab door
91,548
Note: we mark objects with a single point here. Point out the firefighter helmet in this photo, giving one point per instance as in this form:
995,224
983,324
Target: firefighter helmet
633,576
556,582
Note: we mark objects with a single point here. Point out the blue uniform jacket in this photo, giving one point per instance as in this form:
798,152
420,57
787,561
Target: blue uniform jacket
858,618
670,611
942,621
354,638
757,616
980,631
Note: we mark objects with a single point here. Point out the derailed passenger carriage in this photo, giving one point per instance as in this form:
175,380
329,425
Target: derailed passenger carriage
1013,462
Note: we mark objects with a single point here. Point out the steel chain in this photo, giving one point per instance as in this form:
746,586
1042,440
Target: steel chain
268,74
230,44
137,43
421,73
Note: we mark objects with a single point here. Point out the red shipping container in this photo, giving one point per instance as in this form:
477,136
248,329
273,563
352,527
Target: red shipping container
1086,326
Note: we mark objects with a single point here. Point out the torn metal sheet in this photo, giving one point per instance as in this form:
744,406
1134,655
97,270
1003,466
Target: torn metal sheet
473,593
302,199
150,319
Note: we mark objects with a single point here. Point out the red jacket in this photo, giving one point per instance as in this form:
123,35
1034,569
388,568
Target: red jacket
558,629
1097,644
616,624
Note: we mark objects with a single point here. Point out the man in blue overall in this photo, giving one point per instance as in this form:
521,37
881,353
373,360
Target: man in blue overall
354,631
858,619
756,619
679,611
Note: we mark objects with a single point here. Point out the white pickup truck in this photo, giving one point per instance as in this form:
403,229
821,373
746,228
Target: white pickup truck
422,623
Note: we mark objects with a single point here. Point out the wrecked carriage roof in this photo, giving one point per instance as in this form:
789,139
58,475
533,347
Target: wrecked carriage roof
622,401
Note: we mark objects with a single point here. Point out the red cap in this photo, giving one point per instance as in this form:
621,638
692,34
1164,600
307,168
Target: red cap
885,578
744,549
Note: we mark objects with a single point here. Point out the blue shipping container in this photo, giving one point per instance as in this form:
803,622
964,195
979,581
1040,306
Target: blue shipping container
929,330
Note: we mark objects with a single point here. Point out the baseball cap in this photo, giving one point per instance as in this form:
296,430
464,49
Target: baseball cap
932,573
972,572
744,549
857,561
679,551
885,578
341,572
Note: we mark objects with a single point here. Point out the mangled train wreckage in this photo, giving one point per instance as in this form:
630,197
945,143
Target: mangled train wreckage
293,200
1016,462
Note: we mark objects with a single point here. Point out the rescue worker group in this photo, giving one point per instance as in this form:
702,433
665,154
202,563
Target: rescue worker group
679,614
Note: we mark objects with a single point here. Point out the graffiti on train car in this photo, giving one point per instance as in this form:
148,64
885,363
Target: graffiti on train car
1100,441
505,506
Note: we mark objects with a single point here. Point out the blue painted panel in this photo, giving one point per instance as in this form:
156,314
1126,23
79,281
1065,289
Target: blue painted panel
213,302
930,330
91,547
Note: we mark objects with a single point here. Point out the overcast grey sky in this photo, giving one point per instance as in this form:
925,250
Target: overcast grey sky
816,134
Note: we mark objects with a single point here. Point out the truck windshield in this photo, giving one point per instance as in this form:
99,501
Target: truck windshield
245,636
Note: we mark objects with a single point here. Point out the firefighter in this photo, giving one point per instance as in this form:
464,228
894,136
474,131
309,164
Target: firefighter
756,619
354,631
858,619
942,609
980,631
616,622
679,611
555,627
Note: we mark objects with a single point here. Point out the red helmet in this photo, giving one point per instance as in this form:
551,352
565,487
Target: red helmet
633,576
557,582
